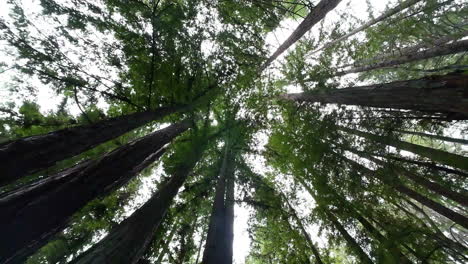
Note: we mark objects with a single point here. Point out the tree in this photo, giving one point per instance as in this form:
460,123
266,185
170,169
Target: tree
43,151
127,242
98,178
318,13
385,15
399,95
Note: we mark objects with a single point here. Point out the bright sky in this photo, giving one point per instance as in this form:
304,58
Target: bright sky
48,100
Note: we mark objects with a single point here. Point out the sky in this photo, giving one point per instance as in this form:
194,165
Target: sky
48,100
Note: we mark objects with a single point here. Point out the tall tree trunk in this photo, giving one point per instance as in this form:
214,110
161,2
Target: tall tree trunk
442,50
370,23
437,137
426,164
443,157
349,239
33,224
230,184
354,246
128,241
437,207
411,50
435,94
216,250
314,249
317,14
389,245
27,155
165,246
432,186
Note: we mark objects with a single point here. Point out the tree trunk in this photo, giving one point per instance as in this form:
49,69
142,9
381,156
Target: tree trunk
437,207
372,22
30,154
317,14
443,157
230,184
411,50
304,232
216,250
446,94
33,224
437,137
128,241
364,258
349,239
442,50
429,165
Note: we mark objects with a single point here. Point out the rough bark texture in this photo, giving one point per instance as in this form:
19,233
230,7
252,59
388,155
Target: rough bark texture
27,155
374,21
216,247
442,50
317,14
34,223
447,94
128,241
443,157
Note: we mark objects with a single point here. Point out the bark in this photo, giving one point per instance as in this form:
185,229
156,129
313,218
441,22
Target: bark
447,94
229,213
437,137
34,224
442,50
349,239
128,241
316,15
437,207
30,154
216,247
443,157
372,22
412,49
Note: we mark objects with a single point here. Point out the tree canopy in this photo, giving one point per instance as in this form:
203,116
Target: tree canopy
147,131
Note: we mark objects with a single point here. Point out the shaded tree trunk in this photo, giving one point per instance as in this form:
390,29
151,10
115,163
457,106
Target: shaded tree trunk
314,249
30,154
443,157
230,184
317,14
435,94
370,23
433,186
437,137
33,224
216,247
129,240
428,165
441,50
355,247
411,50
437,207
